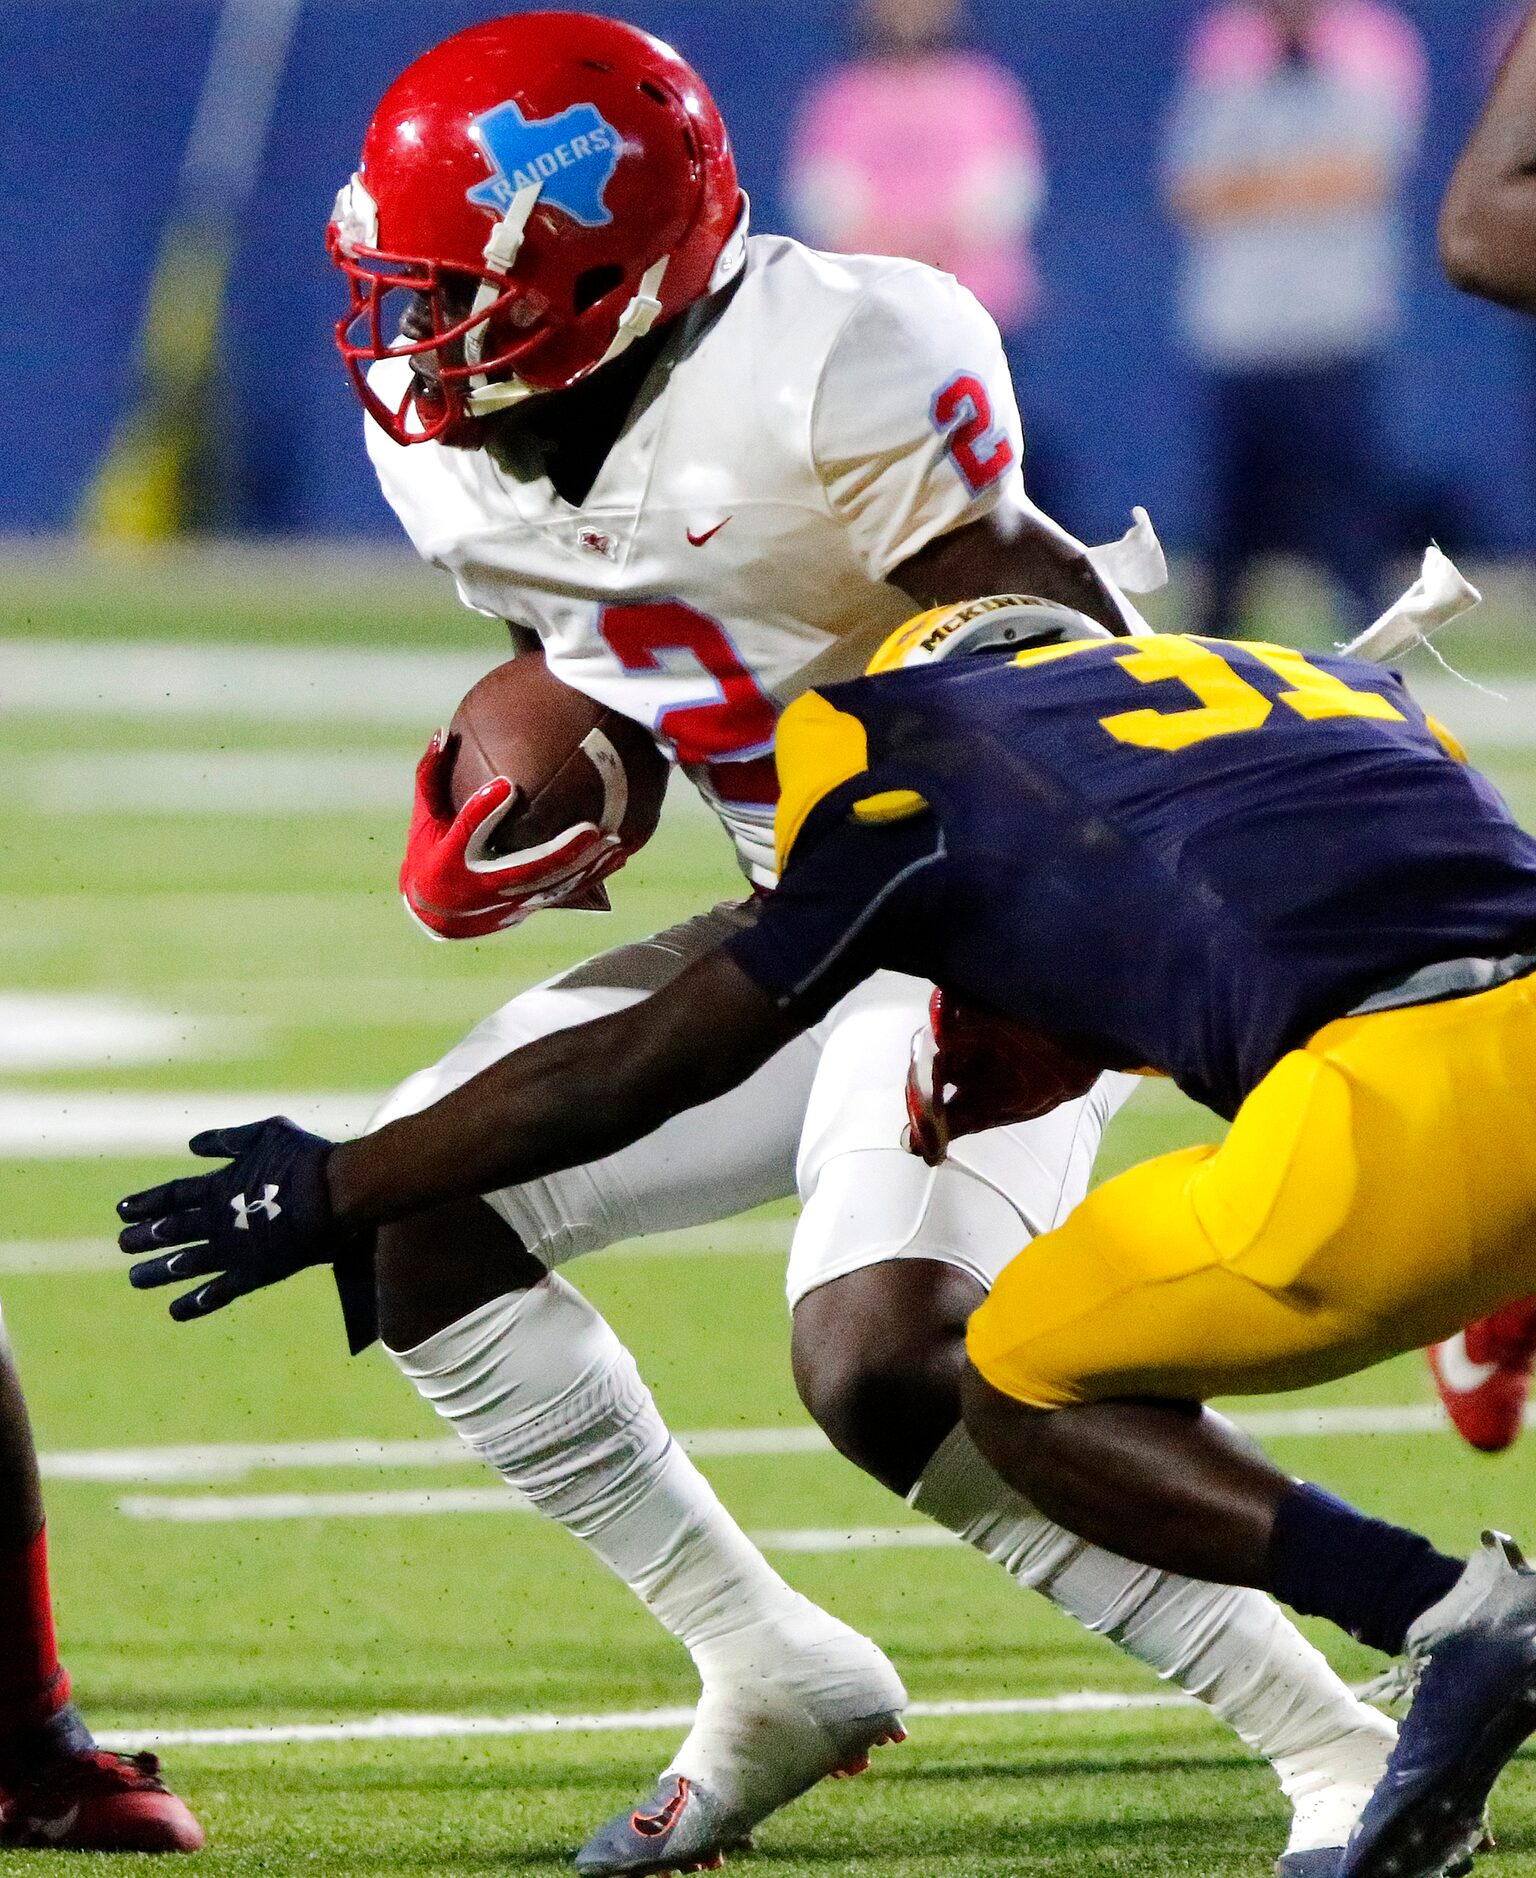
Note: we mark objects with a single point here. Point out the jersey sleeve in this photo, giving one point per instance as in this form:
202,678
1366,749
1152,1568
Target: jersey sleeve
915,429
847,905
409,481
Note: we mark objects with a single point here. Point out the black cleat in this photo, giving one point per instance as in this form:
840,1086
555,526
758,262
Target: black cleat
1475,1652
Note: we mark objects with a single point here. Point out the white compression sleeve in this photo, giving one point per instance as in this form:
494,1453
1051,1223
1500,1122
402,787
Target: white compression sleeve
1230,1647
538,1385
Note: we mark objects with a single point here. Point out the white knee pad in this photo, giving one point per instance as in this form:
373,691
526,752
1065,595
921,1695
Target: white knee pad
882,1204
865,1199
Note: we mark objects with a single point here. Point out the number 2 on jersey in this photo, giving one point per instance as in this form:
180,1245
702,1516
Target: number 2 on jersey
978,444
737,721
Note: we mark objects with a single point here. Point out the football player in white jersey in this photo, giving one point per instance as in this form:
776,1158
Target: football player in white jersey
703,471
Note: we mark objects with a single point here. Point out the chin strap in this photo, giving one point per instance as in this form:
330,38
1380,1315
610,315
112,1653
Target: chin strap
501,250
636,320
641,314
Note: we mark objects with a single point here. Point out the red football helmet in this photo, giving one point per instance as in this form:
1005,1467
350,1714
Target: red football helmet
547,188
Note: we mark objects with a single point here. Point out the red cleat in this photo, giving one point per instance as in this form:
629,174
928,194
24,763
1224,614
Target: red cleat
1484,1375
97,1802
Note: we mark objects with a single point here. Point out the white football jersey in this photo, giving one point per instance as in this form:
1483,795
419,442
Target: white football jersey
783,458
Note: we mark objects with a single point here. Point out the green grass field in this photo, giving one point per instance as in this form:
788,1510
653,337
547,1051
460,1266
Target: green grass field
180,903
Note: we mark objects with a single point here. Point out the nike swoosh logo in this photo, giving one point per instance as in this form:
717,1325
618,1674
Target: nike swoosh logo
1457,1370
57,1828
658,1824
697,541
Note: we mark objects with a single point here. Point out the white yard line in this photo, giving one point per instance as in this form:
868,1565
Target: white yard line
46,1257
53,1030
250,683
1412,1418
228,1461
210,782
853,1538
235,1460
203,1509
225,1462
621,1721
728,1238
321,783
38,1125
416,688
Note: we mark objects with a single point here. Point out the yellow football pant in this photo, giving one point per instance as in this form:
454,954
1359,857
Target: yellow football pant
1377,1192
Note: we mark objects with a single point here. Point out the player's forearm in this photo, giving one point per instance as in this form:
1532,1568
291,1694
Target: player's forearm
1488,220
555,1103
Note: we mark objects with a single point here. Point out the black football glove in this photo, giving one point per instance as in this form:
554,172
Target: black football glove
253,1223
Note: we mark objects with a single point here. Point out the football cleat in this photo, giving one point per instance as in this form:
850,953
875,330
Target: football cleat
1483,1374
678,1827
762,1757
1475,1653
1322,1862
1328,1862
92,1801
1328,1789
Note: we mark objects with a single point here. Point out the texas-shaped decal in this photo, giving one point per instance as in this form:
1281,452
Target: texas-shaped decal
572,156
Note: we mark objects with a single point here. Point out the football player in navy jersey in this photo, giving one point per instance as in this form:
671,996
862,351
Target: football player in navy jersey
1269,877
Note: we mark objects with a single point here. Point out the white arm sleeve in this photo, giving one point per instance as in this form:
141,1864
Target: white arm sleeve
915,429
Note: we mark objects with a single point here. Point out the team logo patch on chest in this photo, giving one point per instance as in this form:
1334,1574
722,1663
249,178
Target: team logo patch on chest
571,156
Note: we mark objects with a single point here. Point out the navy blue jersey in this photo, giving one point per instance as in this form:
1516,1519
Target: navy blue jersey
1177,854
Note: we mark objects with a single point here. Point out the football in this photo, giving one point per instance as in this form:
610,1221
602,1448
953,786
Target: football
572,759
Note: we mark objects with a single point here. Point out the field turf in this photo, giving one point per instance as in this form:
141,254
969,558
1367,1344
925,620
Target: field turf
266,934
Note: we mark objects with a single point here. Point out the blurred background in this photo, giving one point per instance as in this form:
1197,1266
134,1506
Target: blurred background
1109,175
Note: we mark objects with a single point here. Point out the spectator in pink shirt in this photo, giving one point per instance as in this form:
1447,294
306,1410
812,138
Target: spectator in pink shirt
923,149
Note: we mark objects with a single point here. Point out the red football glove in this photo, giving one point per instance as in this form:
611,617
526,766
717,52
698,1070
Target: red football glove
456,889
972,1070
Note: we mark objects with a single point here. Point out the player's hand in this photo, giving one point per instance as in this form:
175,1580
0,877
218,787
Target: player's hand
252,1223
456,888
971,1070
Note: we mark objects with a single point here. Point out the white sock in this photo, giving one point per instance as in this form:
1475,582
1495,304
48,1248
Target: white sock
538,1385
1230,1647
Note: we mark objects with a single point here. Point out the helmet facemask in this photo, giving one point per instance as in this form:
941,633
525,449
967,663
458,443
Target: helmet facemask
475,334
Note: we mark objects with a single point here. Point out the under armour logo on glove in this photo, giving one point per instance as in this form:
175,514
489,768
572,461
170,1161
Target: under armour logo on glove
243,1208
219,1233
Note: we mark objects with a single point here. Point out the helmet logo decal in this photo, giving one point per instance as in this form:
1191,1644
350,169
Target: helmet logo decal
571,156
